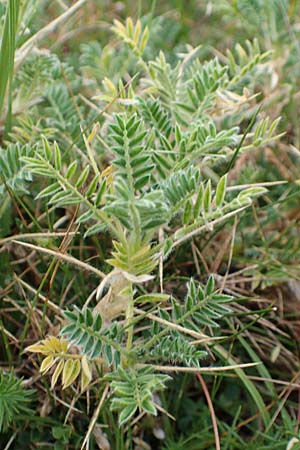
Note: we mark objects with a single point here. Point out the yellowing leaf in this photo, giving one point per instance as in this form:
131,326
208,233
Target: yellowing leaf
70,372
94,132
129,27
86,374
63,346
84,381
144,40
37,348
137,32
68,367
57,372
47,364
85,366
109,169
119,28
53,344
109,85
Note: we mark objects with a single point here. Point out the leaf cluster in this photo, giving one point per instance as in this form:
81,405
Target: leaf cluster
14,401
133,391
69,365
85,331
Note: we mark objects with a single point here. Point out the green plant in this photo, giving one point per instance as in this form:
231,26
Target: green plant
14,402
171,126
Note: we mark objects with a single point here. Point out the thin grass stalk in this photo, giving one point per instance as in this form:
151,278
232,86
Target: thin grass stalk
7,53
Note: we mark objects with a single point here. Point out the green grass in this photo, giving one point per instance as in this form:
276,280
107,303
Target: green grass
7,54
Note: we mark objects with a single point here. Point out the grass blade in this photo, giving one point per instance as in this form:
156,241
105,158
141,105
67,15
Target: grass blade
7,52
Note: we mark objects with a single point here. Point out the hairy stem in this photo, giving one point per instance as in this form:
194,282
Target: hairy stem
129,317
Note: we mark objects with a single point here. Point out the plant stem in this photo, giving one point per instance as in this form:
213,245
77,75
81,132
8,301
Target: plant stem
129,317
211,410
